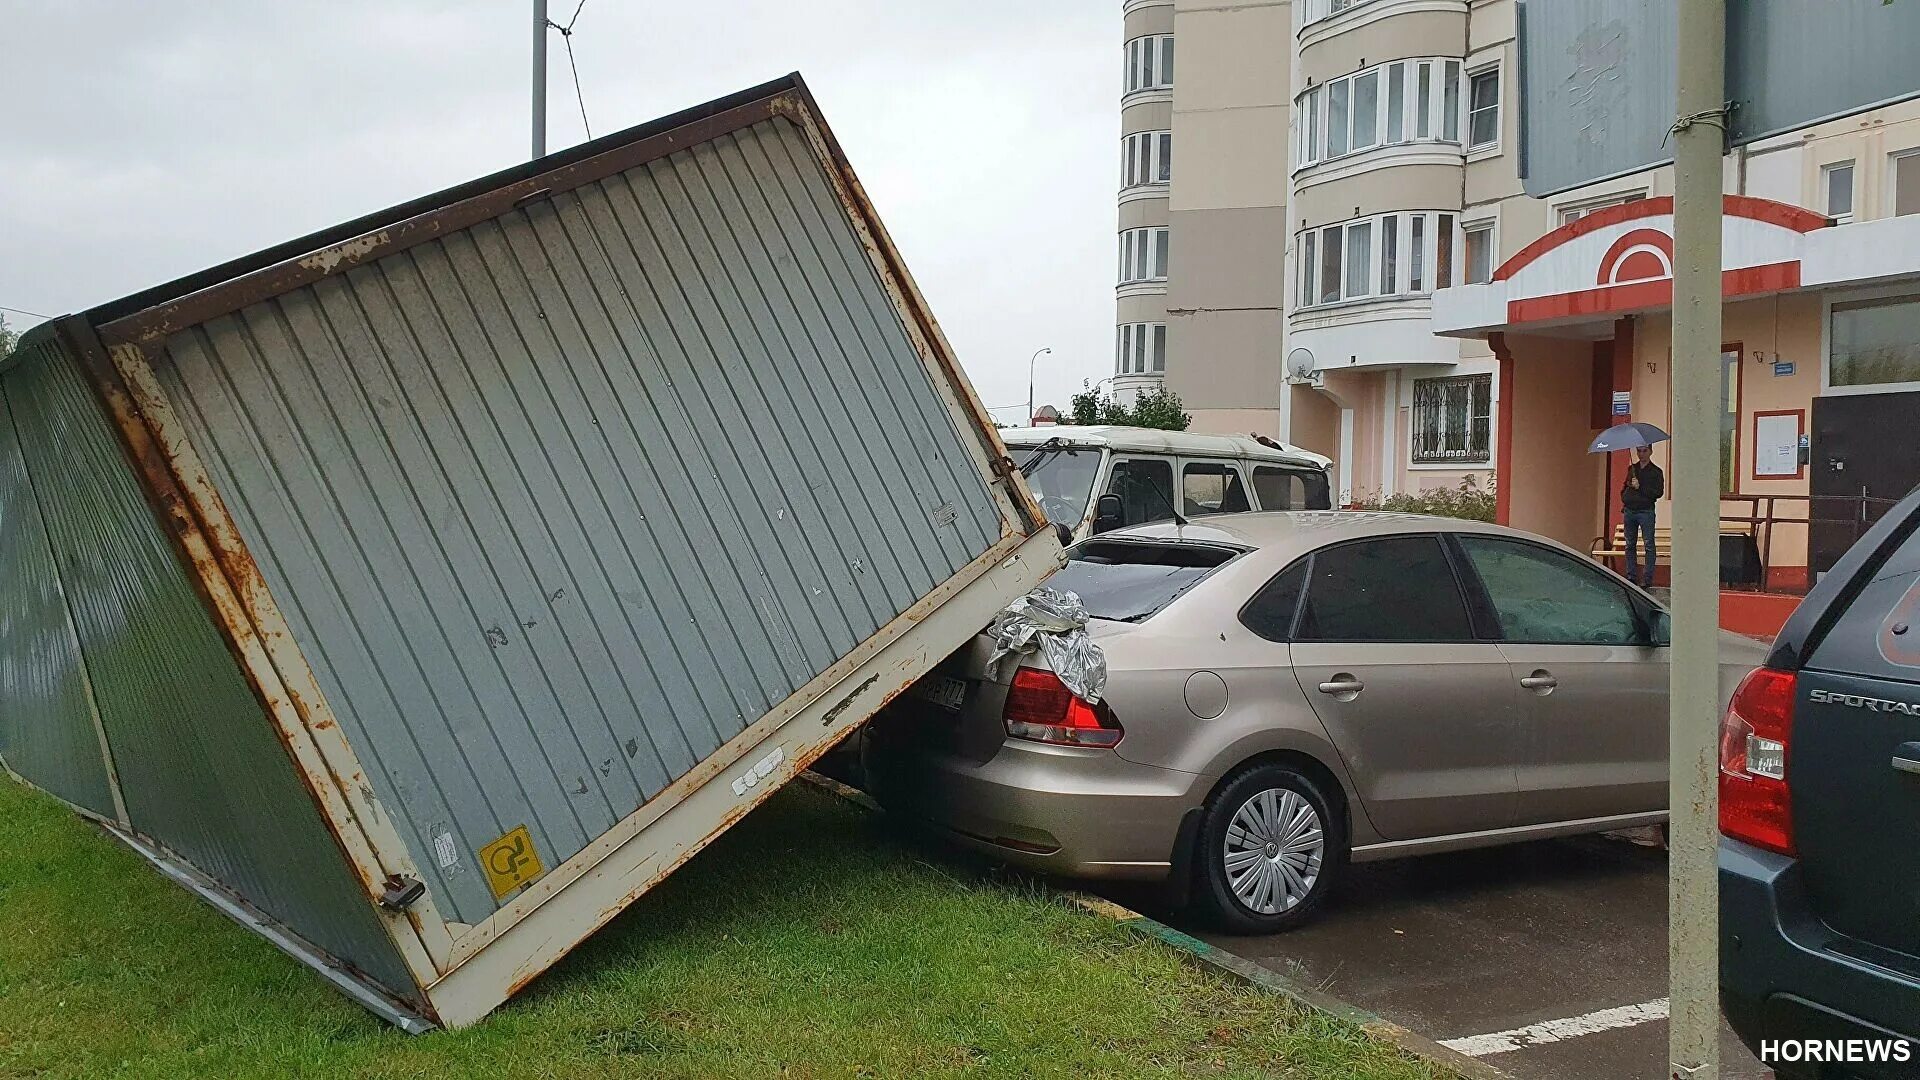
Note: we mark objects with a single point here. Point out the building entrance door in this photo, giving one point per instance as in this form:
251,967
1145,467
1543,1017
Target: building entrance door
1865,455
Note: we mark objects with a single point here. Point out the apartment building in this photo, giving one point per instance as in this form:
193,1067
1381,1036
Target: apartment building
1303,276
1202,208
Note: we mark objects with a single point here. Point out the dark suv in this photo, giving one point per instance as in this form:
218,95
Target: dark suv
1820,819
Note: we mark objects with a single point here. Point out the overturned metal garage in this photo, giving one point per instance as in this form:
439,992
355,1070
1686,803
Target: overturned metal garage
423,591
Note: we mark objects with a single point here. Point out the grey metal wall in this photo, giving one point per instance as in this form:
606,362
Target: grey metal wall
1596,90
201,769
47,732
559,503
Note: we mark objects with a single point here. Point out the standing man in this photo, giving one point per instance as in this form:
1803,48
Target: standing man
1644,485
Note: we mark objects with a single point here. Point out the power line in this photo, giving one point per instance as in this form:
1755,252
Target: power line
566,35
23,311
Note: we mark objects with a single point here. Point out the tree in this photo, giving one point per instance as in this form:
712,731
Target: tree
8,338
1159,408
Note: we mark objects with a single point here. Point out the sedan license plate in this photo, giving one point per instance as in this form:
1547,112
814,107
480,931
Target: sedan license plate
948,693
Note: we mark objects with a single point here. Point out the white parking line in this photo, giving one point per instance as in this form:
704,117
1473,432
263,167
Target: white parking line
1553,1031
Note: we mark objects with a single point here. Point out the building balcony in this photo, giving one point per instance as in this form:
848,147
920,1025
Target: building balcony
1373,333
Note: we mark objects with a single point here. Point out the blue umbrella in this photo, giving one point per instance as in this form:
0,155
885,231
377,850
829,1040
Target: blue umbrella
1627,437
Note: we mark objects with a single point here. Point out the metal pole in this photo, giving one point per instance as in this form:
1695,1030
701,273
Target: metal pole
1030,362
1693,892
539,78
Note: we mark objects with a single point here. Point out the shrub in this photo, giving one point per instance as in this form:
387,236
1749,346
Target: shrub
1466,500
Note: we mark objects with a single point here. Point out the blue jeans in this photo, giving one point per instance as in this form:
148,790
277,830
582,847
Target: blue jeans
1639,524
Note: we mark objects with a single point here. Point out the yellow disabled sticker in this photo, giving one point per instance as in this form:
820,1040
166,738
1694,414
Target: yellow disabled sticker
511,862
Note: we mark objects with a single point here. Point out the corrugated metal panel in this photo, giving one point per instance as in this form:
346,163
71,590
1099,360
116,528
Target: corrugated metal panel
47,729
1789,65
201,771
1596,90
559,503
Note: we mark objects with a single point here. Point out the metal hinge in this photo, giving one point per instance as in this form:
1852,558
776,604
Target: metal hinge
1003,467
401,892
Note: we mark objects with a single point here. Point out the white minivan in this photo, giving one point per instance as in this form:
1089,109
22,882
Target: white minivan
1091,479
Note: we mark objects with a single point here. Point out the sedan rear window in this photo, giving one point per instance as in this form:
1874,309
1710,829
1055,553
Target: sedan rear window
1130,580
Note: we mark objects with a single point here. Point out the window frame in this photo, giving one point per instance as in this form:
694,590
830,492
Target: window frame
1482,605
1894,160
1156,260
1114,463
1477,624
1146,157
1581,209
1468,230
1234,471
1415,84
1879,294
1148,340
1147,64
1417,458
1417,248
1827,173
1474,75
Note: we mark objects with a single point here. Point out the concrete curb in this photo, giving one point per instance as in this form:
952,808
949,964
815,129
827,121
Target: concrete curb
1239,968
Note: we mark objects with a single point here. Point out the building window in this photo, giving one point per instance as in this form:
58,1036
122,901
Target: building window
1143,255
1146,158
1142,349
1480,248
1837,181
1483,108
1383,255
1450,103
1453,420
1570,214
1876,342
1312,11
1443,251
1369,108
1905,182
1150,63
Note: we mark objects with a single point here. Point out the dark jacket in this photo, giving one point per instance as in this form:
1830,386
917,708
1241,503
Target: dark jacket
1653,484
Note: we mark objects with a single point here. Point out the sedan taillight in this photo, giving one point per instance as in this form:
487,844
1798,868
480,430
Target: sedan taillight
1756,806
1040,708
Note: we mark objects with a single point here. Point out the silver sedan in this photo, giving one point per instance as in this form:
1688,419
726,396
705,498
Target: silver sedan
1289,692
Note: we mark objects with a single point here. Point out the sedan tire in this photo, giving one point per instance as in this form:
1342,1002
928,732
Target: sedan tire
1270,845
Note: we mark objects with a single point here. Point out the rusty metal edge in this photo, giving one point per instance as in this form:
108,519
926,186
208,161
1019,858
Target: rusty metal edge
1236,967
166,492
292,249
391,236
931,343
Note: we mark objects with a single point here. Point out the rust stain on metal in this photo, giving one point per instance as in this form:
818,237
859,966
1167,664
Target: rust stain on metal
846,702
326,260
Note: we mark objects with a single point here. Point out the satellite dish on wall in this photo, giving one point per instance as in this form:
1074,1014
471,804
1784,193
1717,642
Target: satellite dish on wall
1300,364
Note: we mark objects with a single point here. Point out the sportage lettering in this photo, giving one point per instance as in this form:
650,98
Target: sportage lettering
1871,704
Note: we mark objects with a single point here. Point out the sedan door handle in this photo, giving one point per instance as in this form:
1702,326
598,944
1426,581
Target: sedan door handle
1540,682
1342,684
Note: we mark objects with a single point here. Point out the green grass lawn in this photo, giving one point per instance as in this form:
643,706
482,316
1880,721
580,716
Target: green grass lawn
808,941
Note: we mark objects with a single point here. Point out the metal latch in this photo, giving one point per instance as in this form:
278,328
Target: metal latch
401,892
1003,467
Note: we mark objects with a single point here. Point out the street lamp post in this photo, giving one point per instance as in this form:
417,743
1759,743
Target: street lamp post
1030,363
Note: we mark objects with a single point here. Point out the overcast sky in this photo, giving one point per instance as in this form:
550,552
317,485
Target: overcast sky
140,141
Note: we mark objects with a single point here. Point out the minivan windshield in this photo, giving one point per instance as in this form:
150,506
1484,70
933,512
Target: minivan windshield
1061,478
1131,580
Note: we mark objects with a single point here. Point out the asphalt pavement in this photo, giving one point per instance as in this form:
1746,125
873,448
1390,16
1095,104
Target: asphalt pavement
1547,960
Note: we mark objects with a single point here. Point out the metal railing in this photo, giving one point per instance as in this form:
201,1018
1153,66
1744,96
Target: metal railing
1856,512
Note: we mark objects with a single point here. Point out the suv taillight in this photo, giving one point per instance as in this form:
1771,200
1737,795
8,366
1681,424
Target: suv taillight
1040,708
1755,806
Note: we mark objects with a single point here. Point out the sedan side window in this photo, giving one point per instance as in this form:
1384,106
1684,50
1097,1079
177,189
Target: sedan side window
1270,612
1145,487
1211,487
1543,597
1397,588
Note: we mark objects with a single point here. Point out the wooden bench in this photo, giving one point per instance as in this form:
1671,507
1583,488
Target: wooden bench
1602,551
